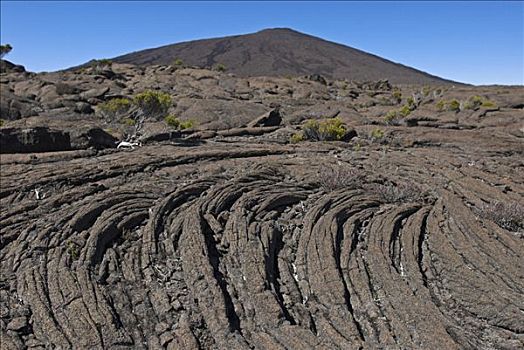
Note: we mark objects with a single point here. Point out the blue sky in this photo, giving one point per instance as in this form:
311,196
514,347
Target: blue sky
474,42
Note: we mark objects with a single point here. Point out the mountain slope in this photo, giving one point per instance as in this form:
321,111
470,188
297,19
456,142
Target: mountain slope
278,52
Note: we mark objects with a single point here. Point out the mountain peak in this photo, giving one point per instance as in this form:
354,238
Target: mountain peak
279,52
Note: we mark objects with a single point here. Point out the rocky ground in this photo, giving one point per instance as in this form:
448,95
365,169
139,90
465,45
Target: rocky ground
407,236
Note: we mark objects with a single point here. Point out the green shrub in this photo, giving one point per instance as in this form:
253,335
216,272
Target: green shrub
73,251
405,111
175,123
426,90
105,62
332,129
178,62
454,105
172,121
473,102
488,104
441,105
2,122
377,134
153,104
128,121
5,49
397,95
220,67
326,130
115,108
187,124
297,137
411,103
391,117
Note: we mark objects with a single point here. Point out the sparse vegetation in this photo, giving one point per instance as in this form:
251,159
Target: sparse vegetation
153,104
391,118
405,111
377,134
411,103
115,108
509,216
178,62
397,95
128,121
332,178
488,104
297,137
220,67
5,49
453,105
73,251
175,123
172,121
2,122
332,129
473,102
391,192
187,124
441,105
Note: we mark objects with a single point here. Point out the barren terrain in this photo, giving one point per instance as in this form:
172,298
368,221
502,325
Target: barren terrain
229,236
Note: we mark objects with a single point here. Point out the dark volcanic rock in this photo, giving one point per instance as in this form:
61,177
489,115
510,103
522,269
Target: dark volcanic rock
272,118
8,67
39,139
94,137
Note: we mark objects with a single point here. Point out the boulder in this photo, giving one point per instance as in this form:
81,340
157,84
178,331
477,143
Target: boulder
38,139
318,78
93,137
350,133
272,118
94,93
83,108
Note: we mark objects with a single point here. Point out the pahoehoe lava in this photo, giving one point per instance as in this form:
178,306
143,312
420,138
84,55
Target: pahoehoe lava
235,245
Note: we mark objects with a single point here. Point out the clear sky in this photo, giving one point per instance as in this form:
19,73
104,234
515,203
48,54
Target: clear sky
474,42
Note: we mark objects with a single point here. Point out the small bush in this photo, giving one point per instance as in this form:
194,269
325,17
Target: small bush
509,216
398,193
175,123
220,67
73,251
115,108
172,121
397,95
473,102
187,124
488,104
377,134
426,91
297,137
325,130
2,122
411,103
332,178
405,111
441,105
153,104
391,117
178,62
128,121
454,105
